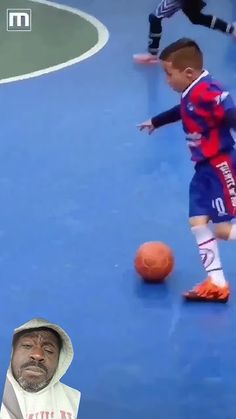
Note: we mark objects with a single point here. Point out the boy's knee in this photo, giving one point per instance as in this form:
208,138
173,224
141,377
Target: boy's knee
198,221
222,230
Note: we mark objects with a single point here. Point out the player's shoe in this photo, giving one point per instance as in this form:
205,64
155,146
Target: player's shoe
209,292
145,58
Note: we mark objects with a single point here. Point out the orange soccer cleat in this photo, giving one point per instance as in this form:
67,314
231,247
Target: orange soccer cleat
209,292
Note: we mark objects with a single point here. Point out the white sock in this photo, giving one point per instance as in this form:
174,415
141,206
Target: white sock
232,234
208,249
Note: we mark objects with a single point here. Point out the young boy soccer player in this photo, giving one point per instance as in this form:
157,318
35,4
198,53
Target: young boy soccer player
208,116
167,8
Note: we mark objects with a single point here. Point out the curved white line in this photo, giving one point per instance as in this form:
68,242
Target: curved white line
103,36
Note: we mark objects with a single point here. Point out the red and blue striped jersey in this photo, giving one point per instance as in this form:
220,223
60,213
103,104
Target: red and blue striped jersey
204,107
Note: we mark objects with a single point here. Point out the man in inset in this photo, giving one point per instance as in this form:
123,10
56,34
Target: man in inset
42,353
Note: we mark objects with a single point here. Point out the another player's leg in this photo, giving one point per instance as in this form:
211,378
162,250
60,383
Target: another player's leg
195,15
155,32
166,9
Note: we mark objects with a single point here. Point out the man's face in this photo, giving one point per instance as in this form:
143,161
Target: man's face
35,359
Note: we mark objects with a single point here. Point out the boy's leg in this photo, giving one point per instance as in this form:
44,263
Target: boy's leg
226,231
166,9
215,287
194,13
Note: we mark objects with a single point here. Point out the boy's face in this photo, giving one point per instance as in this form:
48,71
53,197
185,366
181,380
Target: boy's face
179,80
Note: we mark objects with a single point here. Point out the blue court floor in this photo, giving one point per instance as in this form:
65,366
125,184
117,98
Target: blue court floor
80,190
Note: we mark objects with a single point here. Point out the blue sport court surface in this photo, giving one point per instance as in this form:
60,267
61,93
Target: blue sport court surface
80,190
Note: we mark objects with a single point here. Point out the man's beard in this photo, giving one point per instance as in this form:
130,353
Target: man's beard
32,386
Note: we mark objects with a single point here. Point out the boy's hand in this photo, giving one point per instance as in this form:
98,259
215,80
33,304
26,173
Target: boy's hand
147,125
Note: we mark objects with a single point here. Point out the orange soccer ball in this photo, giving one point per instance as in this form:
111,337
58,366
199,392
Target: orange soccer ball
154,261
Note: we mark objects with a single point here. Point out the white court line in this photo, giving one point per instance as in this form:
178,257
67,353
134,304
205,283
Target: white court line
103,36
176,314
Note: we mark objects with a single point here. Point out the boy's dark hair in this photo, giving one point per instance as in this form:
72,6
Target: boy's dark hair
182,54
17,336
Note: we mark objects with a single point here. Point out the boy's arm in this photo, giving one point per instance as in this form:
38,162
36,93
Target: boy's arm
167,117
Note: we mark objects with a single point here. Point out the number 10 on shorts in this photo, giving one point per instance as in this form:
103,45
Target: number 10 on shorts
218,204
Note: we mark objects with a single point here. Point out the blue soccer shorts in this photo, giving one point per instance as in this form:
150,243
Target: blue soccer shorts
212,190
